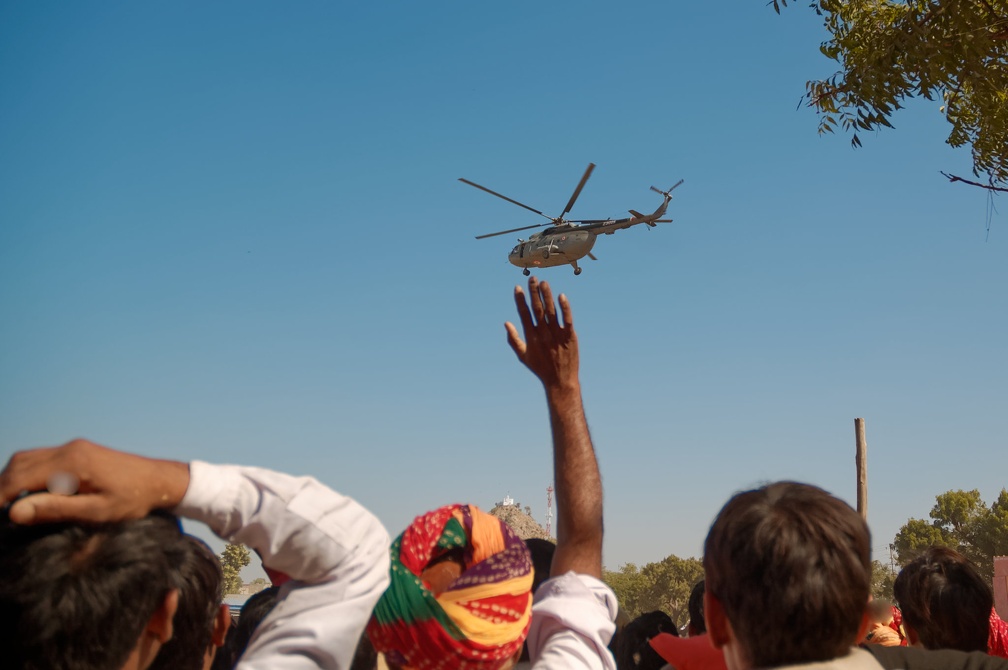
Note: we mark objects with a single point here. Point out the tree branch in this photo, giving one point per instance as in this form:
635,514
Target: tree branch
989,187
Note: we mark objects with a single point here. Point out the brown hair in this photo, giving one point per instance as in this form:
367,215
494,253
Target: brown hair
790,565
945,600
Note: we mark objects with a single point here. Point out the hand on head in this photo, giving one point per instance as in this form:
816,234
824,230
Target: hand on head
112,485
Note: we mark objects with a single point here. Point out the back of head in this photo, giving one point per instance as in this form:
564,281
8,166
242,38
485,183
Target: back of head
541,552
460,593
790,566
632,650
201,590
945,601
697,625
255,609
79,597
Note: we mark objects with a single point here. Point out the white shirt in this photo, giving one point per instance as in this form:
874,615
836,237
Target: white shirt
335,551
573,619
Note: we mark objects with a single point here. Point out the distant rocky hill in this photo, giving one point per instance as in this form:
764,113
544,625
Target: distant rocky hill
521,523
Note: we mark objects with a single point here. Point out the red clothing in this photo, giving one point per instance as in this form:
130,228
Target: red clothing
688,653
997,643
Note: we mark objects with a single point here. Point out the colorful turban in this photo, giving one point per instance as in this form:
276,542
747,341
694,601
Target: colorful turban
482,618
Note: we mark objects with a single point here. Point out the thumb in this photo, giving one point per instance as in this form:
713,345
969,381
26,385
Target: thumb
515,340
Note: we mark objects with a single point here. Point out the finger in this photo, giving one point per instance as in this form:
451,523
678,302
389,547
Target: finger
515,340
537,304
26,471
547,299
49,508
565,311
523,310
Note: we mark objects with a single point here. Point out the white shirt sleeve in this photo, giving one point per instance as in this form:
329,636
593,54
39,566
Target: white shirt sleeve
335,551
573,619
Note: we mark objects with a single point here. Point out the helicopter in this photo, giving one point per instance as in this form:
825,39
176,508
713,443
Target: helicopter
565,241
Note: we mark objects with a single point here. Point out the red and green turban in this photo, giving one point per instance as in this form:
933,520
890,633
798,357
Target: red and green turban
480,620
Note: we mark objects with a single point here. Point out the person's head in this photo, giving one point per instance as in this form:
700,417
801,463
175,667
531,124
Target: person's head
945,602
541,552
880,612
449,568
255,609
787,571
632,650
696,625
88,597
202,620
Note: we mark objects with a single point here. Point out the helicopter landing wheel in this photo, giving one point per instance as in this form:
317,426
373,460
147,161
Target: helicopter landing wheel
577,271
526,272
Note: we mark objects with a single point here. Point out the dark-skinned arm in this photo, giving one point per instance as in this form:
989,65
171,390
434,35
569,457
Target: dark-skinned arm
550,351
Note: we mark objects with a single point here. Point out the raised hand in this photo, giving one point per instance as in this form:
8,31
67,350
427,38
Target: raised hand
83,481
550,347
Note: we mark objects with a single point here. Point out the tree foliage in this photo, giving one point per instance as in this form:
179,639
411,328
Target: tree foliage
882,580
960,520
233,559
664,586
955,51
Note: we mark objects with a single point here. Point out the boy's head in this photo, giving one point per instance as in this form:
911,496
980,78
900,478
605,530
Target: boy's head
946,604
99,596
787,571
202,620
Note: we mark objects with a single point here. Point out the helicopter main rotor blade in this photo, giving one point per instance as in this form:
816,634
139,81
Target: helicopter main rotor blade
504,197
577,191
513,230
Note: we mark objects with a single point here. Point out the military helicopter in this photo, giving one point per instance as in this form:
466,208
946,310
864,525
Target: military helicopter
565,241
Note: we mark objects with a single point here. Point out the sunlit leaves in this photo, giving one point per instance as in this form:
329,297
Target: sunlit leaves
888,52
664,586
233,559
961,520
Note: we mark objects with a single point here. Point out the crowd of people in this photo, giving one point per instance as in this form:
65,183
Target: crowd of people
96,573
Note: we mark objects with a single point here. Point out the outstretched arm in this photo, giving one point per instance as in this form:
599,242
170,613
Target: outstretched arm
550,351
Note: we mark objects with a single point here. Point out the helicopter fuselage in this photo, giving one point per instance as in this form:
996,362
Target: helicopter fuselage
566,240
562,245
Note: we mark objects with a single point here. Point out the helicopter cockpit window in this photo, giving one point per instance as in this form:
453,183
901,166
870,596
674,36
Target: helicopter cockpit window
515,250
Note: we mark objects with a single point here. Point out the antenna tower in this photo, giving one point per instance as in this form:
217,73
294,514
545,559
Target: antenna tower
549,510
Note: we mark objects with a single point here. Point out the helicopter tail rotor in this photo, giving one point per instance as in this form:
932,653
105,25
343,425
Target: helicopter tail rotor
671,188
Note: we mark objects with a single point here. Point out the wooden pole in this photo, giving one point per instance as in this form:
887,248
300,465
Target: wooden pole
861,461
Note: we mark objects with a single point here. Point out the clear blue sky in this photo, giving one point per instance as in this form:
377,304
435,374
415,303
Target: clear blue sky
234,232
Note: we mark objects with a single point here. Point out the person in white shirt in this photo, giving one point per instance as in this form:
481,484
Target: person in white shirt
335,551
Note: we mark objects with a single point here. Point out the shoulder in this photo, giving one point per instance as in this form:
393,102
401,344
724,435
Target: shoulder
911,658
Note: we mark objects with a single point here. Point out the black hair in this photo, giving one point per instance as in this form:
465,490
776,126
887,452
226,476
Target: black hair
945,600
253,612
787,555
697,624
632,650
78,597
201,591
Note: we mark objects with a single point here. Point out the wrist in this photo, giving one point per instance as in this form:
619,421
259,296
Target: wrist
563,392
173,477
